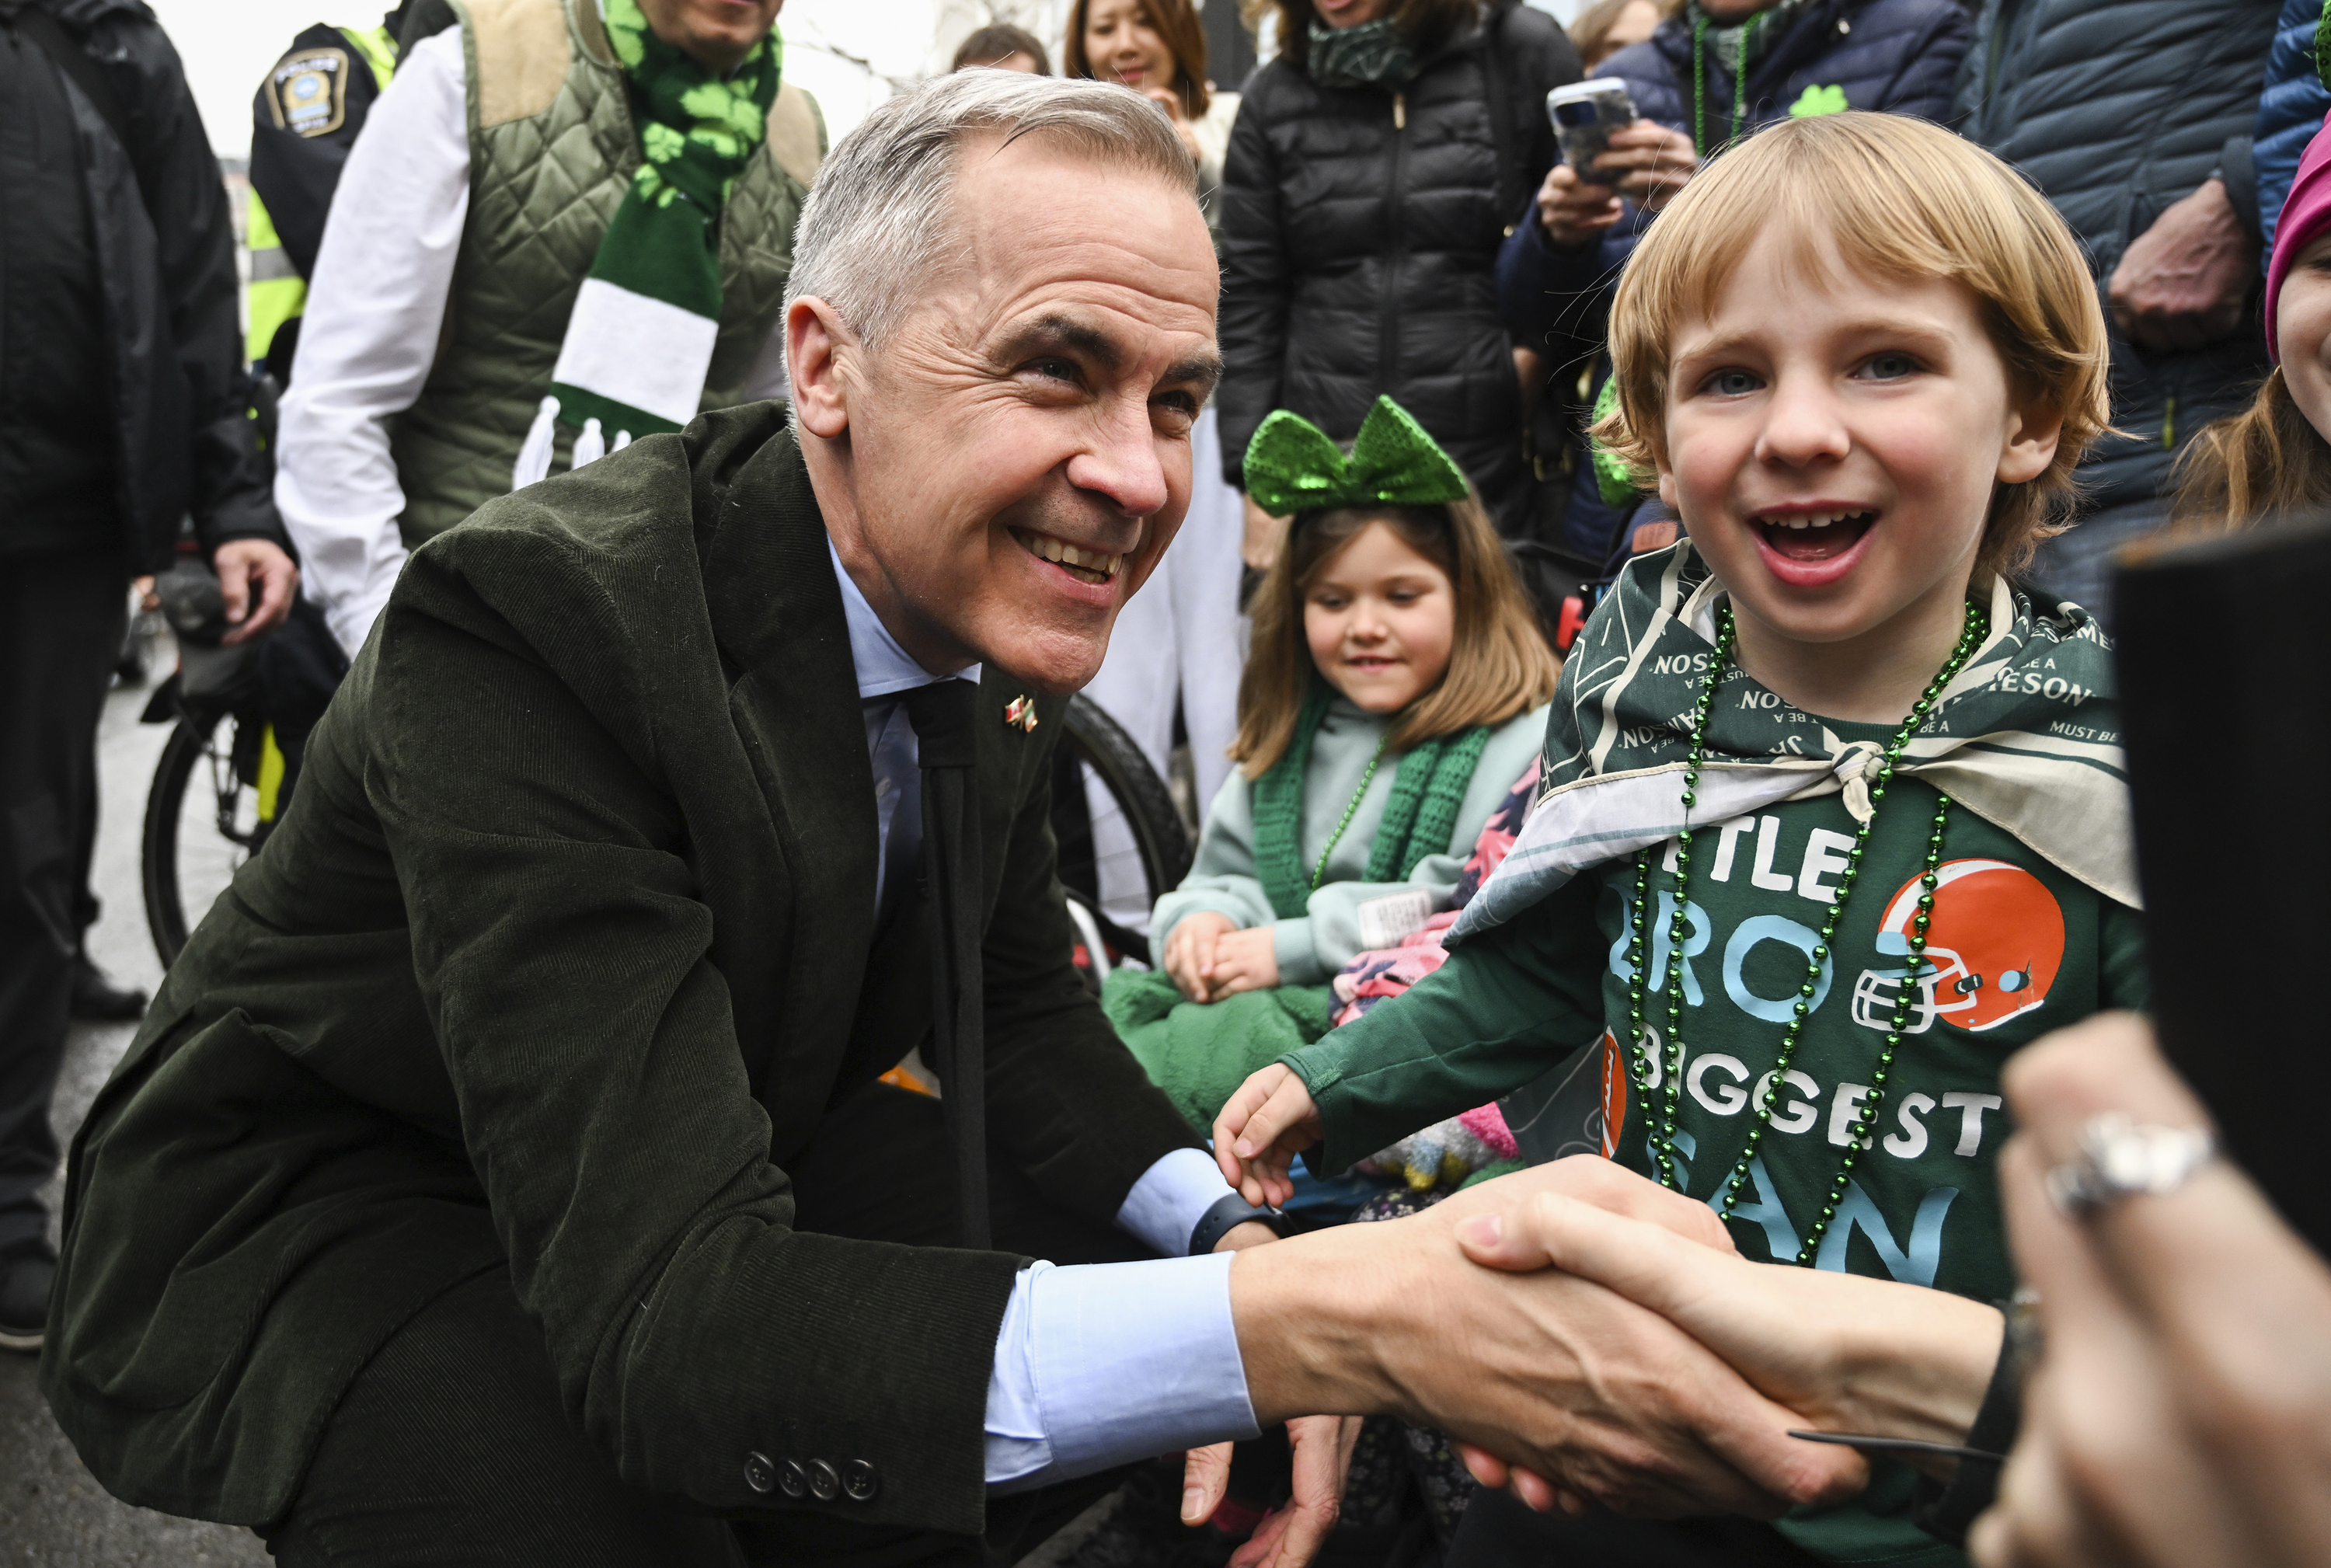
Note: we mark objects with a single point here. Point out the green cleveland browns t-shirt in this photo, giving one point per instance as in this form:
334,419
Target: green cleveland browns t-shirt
2015,948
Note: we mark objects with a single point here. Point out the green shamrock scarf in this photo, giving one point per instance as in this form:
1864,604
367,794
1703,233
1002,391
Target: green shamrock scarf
1372,54
2027,737
641,338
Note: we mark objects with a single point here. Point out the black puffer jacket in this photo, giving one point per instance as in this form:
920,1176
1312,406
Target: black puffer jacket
2116,108
1359,237
178,441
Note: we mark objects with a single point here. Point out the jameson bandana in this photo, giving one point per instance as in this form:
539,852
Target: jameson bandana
2027,737
640,340
1372,54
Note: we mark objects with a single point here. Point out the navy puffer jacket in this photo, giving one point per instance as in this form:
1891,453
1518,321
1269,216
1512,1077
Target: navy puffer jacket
2290,110
1896,56
2116,110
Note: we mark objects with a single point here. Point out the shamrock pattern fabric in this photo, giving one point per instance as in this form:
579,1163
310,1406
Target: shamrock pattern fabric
641,336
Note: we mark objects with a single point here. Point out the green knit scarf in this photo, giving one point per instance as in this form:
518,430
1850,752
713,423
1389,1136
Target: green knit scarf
1418,820
641,338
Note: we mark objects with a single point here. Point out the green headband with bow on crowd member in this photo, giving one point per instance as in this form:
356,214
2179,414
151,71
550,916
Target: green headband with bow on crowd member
1292,467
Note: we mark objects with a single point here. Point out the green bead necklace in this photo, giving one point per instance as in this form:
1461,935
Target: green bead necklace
1659,1120
1699,80
1336,837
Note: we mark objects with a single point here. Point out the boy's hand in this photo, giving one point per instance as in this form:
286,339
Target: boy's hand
1269,1121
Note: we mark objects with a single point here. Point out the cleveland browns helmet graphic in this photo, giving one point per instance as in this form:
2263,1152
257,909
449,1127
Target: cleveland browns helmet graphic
1994,942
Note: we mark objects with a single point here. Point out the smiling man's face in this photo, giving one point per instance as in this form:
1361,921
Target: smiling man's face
1004,470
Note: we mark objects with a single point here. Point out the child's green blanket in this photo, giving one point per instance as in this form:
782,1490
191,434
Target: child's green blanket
1199,1053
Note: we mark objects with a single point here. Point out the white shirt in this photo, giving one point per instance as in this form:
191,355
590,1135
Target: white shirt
1074,1341
376,306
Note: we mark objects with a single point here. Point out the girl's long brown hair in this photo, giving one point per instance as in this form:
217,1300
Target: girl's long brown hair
1425,25
2250,465
1174,21
1498,667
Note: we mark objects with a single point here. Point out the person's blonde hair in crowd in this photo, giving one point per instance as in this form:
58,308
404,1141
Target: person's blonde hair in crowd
1897,198
1498,667
1594,34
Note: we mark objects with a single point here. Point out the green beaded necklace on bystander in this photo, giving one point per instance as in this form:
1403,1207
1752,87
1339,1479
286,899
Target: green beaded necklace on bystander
1661,1121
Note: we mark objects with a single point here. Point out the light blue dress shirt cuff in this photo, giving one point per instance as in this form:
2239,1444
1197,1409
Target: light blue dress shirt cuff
1173,1195
1104,1364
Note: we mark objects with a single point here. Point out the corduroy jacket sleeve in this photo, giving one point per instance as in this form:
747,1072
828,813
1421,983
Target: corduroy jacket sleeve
1067,1103
560,942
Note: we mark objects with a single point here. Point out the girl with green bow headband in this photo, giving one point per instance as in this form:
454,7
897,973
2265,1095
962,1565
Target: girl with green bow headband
1395,688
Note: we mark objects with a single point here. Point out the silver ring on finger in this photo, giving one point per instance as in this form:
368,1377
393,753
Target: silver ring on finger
2120,1158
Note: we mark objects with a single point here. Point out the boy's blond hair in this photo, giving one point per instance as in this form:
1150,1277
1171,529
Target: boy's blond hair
1901,198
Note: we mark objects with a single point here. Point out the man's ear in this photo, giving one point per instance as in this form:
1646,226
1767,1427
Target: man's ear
2034,430
817,344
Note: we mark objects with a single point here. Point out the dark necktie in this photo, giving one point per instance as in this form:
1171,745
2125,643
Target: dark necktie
941,714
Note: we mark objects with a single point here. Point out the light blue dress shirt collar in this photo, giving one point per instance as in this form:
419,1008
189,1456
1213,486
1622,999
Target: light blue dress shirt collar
883,667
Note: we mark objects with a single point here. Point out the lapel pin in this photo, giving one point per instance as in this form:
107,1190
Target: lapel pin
1022,711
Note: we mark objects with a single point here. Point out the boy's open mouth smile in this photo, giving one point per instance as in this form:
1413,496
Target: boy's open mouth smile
1812,546
1082,563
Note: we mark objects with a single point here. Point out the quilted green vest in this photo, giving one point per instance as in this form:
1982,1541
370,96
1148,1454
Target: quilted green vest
552,148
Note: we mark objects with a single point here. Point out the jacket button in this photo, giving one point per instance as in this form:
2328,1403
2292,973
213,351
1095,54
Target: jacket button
759,1474
793,1480
825,1481
859,1481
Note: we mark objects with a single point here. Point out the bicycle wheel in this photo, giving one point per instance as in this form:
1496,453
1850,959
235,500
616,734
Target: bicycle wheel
202,823
1106,796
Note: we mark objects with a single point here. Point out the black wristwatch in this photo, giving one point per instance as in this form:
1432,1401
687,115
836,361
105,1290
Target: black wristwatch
1225,1217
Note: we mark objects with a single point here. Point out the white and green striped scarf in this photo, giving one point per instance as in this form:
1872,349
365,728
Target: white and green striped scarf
641,338
2027,737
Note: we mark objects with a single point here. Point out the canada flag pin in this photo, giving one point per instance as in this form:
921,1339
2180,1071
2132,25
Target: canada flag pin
1022,711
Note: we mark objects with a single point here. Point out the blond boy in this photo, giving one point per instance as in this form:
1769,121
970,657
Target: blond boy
1834,819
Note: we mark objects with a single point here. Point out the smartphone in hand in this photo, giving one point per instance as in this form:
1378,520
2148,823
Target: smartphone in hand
1585,114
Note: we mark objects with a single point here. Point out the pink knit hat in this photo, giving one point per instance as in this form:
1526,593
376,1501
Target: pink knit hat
2306,215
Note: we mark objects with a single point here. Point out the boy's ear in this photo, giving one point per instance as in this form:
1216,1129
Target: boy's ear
2034,430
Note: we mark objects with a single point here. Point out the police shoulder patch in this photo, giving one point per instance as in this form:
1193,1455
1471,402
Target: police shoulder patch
307,90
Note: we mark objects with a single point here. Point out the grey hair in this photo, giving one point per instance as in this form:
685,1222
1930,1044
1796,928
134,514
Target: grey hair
882,209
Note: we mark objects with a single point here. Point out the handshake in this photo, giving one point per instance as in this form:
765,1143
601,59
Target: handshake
1590,1339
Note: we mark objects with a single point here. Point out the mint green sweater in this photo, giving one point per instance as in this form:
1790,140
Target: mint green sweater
1314,945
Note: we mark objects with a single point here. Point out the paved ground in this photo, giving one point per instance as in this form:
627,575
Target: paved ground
51,1512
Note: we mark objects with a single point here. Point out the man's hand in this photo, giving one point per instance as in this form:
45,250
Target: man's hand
2181,1411
243,565
1546,1371
1850,1353
1289,1536
2181,284
1261,1129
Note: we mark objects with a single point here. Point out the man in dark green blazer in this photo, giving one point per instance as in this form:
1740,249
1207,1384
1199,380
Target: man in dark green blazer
502,1173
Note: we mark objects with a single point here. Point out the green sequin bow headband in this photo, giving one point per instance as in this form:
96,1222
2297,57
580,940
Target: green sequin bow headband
1292,467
